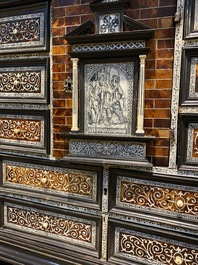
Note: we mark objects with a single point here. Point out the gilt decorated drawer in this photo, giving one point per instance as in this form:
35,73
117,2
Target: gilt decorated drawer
141,246
27,132
79,185
154,195
24,81
23,29
80,231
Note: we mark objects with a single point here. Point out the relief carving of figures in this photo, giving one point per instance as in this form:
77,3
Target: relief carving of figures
107,99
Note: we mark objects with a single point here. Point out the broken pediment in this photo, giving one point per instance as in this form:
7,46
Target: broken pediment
110,24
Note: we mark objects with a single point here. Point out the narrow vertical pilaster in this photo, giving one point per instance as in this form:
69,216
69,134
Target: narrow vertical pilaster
140,112
75,95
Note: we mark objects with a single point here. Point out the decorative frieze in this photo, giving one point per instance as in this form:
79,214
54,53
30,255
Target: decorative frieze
107,149
108,46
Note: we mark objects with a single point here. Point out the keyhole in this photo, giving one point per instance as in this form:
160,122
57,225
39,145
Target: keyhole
69,86
105,191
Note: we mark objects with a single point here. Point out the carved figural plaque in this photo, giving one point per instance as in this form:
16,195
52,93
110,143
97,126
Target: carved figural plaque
108,98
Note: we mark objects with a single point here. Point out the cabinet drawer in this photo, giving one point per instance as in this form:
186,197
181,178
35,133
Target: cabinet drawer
80,231
81,186
24,81
25,28
154,195
141,246
24,131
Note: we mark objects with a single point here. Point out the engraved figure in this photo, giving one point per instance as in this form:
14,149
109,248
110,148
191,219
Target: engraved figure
117,100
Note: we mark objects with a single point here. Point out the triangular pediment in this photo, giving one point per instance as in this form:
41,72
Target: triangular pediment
131,24
84,29
88,28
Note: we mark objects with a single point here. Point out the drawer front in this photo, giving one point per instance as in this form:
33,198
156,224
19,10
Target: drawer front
25,81
24,131
80,185
80,231
135,193
147,248
24,28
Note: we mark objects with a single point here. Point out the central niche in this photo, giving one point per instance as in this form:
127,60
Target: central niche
108,98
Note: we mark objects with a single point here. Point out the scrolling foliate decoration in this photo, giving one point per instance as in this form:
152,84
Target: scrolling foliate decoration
23,29
173,199
69,228
20,129
20,81
153,249
75,183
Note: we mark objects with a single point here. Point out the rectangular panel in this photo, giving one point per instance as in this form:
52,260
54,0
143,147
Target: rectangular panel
76,184
79,231
188,141
24,29
24,80
108,98
136,192
108,149
138,244
189,78
24,131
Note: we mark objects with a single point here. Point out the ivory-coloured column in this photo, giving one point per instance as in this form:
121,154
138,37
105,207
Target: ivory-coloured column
140,113
75,95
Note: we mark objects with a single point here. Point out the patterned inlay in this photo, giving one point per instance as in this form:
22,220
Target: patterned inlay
158,197
107,149
20,79
79,183
25,30
64,227
153,249
109,46
109,23
20,129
